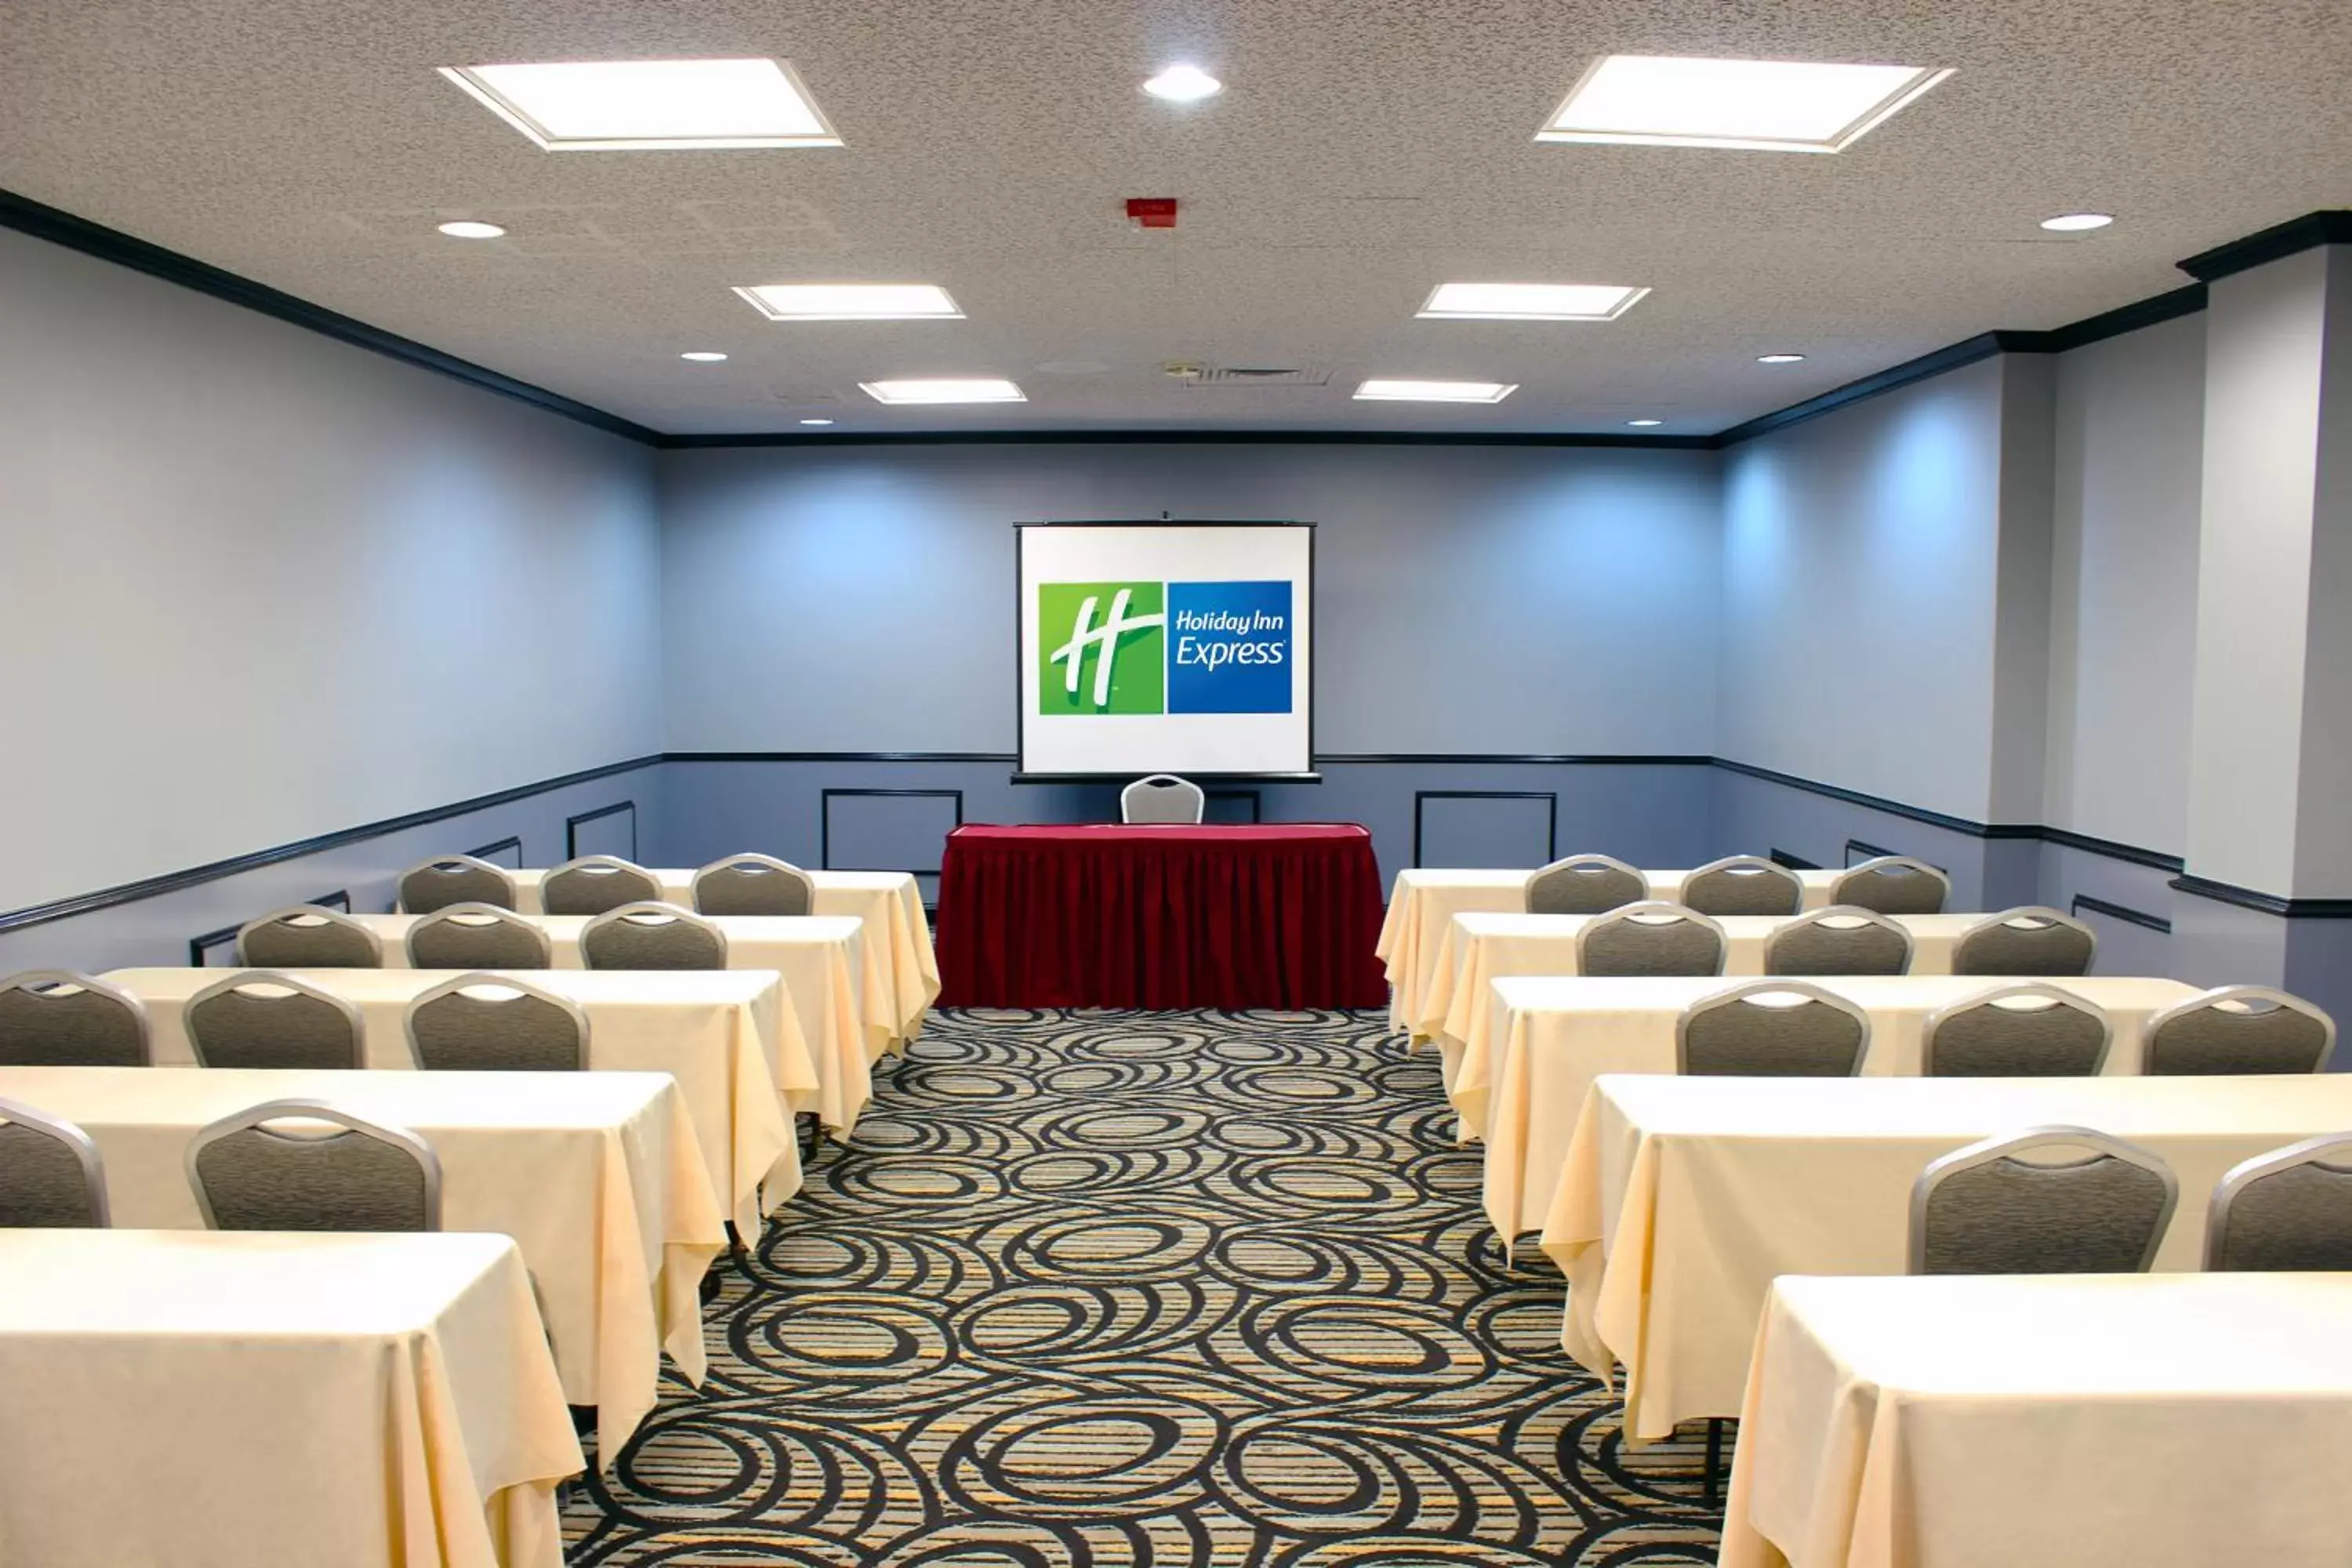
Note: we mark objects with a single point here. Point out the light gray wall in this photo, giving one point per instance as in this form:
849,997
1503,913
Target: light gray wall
2021,657
260,585
1468,598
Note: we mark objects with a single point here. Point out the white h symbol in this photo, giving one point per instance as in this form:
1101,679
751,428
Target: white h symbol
1084,633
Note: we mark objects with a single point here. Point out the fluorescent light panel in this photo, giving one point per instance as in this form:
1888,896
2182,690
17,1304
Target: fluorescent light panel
1529,301
609,106
1388,389
969,389
852,302
1772,106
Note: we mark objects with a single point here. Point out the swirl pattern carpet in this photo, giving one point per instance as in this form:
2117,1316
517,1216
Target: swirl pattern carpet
1143,1290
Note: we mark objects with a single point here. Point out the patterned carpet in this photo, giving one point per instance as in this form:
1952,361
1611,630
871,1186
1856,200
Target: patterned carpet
1143,1290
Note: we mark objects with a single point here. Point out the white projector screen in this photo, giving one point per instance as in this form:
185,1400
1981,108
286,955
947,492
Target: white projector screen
1180,647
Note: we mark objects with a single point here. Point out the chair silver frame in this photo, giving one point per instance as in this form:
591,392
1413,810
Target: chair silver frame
1195,795
504,982
2005,1144
321,916
309,1109
37,978
1609,862
1652,908
1886,862
2040,913
1992,994
765,862
2330,1151
2221,994
84,1147
1851,912
280,978
651,907
1756,865
449,912
586,862
1746,989
470,862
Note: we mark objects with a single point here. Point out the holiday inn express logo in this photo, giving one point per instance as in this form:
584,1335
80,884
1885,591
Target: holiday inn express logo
1163,648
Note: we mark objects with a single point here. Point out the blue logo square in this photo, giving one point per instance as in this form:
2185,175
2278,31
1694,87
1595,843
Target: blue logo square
1229,647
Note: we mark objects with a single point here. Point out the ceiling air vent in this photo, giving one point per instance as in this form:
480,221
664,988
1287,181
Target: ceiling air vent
1257,375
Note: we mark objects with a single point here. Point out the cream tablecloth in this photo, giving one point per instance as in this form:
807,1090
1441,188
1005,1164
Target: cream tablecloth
276,1401
821,958
888,903
715,1031
1423,902
594,1174
2098,1421
1521,1087
1685,1197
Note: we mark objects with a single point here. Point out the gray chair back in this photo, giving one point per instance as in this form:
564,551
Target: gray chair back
307,937
1845,939
1163,797
753,885
495,1024
2238,1029
593,884
447,879
259,1018
1649,938
50,1172
1742,885
478,936
2017,1031
652,935
1894,885
365,1175
1772,1028
1585,885
1984,1209
55,1017
2028,939
2290,1209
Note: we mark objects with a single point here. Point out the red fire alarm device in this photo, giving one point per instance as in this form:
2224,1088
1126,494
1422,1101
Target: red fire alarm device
1152,212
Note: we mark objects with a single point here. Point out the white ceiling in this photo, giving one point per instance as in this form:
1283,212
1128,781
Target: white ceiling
1363,151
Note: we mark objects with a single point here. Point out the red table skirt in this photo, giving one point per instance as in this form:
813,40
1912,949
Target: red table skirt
1283,915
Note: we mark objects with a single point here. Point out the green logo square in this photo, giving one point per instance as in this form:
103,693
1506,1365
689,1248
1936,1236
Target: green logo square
1102,648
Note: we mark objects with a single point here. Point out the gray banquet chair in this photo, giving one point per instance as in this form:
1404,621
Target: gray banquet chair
1163,797
1894,885
1845,939
55,1017
495,1024
1983,1209
595,884
1771,1028
1585,885
1742,885
2028,939
259,1018
2238,1029
652,936
478,936
447,879
2290,1209
2027,1030
364,1176
753,885
50,1172
1649,938
305,936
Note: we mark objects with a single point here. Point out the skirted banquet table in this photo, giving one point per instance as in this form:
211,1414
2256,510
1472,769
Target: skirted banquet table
1273,915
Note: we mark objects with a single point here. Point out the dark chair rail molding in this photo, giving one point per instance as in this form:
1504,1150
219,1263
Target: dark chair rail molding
1793,862
1867,851
492,851
2120,911
200,947
572,825
2268,903
824,825
1549,797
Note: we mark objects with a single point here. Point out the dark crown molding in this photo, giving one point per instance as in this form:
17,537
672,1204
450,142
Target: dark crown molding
1190,438
2272,244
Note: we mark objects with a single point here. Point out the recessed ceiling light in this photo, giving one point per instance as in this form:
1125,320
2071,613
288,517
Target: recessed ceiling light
703,356
1778,359
608,106
2077,223
816,421
1772,106
467,228
852,302
1184,84
1529,301
1390,390
1643,423
966,389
